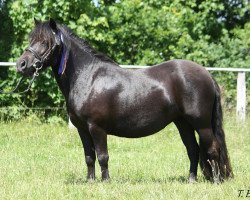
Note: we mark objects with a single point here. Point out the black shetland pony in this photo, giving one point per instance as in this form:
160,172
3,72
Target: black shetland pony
103,98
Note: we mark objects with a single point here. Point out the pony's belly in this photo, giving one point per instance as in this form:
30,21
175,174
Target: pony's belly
135,130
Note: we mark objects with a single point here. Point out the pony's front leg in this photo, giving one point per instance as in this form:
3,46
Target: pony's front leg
89,151
100,141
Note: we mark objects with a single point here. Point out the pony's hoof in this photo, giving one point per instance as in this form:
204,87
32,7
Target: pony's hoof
216,180
106,180
192,181
105,176
192,178
90,180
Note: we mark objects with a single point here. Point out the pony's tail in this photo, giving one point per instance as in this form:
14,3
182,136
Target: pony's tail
217,126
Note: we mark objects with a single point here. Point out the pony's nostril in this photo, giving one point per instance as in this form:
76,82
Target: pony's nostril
23,64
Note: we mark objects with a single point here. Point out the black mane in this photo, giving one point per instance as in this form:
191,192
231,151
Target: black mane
43,32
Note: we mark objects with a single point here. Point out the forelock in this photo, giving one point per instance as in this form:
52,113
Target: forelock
42,32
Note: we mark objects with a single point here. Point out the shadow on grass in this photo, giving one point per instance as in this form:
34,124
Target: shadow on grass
73,179
180,179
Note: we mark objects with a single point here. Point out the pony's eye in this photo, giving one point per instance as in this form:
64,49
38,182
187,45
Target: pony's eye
44,44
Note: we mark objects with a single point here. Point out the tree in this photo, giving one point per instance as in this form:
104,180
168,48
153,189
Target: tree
213,33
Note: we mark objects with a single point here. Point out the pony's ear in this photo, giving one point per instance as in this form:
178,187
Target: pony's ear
36,21
53,25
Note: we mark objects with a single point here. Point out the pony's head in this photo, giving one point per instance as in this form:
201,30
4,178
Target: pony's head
44,48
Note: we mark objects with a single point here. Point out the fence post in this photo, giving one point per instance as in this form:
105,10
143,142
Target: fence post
241,96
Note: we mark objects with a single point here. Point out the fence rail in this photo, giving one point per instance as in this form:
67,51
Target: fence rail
8,64
241,84
230,69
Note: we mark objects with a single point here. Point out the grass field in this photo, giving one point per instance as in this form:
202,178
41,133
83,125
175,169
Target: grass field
43,161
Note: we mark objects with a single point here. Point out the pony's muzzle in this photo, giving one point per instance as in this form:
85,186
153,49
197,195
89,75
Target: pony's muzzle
21,65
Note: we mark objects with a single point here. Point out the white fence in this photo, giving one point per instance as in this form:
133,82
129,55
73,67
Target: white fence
241,84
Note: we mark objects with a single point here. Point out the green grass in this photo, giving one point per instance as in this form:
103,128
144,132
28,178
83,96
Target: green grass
42,161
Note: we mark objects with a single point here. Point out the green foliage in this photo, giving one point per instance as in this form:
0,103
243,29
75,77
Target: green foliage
56,120
213,33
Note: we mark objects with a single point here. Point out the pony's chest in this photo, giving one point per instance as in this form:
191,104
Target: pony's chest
78,101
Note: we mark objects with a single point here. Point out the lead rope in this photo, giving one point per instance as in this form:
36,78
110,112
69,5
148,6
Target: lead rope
19,82
38,65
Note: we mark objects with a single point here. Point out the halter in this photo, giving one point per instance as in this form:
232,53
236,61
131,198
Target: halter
39,62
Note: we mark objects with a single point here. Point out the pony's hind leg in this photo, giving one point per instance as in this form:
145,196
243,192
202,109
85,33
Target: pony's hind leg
189,140
209,154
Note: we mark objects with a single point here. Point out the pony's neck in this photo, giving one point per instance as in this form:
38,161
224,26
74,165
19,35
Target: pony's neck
80,62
